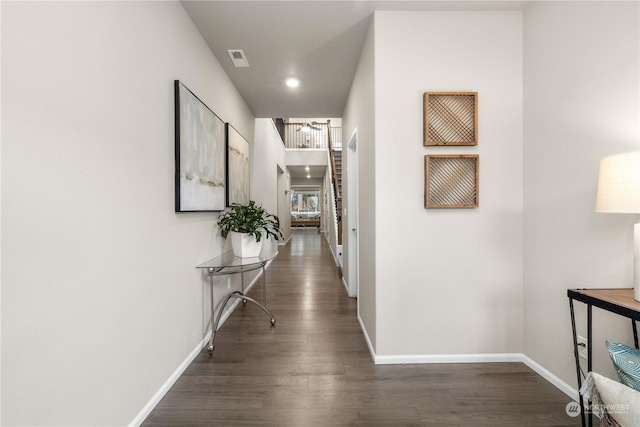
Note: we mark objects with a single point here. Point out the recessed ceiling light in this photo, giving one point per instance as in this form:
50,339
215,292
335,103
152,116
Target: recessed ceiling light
308,176
291,82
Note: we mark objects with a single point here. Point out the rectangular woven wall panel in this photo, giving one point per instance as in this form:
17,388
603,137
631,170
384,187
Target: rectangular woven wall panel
450,118
451,181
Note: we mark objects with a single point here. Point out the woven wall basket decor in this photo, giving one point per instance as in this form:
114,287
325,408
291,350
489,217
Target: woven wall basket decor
451,181
450,118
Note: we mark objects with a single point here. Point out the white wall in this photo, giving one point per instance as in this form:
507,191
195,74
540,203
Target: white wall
581,104
100,298
268,157
359,114
448,280
304,182
303,157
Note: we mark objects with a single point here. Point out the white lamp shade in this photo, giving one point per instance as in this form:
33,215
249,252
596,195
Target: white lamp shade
619,184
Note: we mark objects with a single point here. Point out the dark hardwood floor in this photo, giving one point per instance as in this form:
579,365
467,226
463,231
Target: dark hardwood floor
314,369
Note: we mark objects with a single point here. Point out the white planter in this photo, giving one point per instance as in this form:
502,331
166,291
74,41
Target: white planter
244,245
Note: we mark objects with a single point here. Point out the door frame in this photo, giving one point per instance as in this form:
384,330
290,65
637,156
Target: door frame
353,208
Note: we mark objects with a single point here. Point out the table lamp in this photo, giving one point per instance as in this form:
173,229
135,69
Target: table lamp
619,192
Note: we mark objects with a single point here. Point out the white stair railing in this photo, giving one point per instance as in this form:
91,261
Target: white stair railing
332,226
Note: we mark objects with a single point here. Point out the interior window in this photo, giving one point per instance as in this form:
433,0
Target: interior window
305,204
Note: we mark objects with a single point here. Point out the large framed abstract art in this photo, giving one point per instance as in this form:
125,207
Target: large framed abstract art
200,168
237,167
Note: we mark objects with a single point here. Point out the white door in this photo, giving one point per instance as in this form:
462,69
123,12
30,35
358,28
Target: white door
352,213
284,203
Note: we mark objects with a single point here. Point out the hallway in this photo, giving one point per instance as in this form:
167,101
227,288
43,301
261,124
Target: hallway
314,368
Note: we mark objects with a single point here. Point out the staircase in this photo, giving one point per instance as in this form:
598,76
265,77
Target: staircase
336,160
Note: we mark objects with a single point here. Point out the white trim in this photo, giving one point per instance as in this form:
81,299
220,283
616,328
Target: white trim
335,258
151,404
448,358
353,215
366,337
304,150
285,242
353,140
553,379
347,288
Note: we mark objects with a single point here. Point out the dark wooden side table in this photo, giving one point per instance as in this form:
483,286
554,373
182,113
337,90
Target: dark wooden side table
618,301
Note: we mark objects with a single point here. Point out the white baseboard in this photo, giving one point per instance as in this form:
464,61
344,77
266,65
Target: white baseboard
553,379
144,413
347,288
285,242
448,358
570,391
335,258
366,337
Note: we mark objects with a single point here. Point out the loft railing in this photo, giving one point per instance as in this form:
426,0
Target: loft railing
336,137
296,135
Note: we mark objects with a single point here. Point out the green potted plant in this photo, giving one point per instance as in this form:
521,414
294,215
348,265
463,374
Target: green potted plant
247,224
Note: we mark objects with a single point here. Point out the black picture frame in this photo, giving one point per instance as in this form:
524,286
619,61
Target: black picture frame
200,154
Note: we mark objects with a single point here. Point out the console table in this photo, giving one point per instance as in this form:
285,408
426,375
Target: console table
618,301
229,264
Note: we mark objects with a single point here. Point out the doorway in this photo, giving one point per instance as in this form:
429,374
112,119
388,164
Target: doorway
352,213
283,189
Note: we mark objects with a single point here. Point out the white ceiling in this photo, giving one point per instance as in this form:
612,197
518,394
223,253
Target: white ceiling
319,42
299,172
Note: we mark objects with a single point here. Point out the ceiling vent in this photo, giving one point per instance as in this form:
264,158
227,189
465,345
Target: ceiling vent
238,57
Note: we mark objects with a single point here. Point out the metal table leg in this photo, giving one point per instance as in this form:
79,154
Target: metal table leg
213,324
239,295
577,358
264,288
214,329
590,349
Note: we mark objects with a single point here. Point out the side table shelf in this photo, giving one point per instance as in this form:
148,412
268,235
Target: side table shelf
228,264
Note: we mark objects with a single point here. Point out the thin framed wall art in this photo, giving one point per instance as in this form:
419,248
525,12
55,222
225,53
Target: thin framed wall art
451,181
237,167
450,118
199,154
